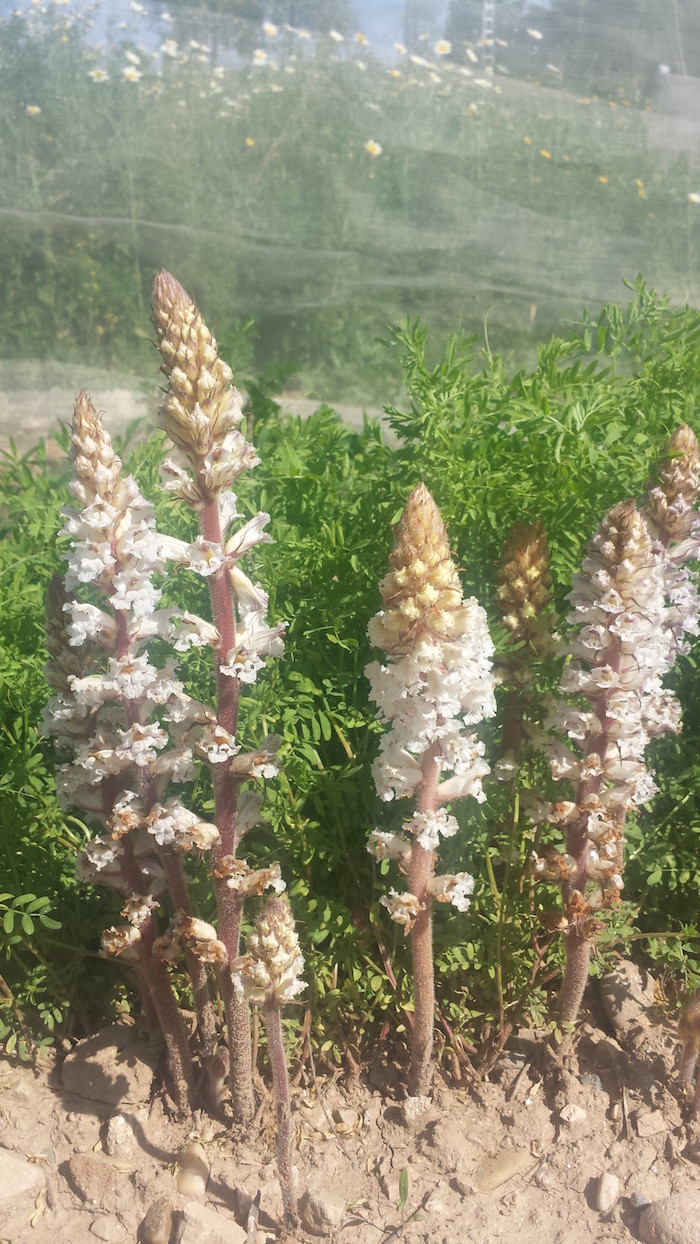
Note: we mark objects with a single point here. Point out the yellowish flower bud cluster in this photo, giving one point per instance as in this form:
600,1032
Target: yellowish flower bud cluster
525,583
96,467
201,405
422,593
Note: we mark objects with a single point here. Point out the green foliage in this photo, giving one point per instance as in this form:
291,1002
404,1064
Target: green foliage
562,442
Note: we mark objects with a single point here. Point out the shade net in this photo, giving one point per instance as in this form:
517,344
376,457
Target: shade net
326,169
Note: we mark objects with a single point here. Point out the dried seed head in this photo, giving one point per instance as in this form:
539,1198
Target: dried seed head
270,972
673,489
201,405
96,467
422,593
525,581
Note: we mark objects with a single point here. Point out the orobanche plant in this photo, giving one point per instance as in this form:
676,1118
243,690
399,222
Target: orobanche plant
632,604
140,752
436,684
131,733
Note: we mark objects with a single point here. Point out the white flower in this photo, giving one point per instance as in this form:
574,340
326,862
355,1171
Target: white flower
205,557
173,824
454,889
87,622
130,74
403,908
248,536
216,745
428,826
384,846
335,36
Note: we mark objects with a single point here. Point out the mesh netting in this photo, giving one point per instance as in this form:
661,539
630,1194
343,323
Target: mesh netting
329,168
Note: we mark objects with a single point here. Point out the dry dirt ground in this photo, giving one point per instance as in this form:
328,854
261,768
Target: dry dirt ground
595,1146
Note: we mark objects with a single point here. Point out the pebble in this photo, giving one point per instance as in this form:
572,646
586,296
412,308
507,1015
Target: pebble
607,1192
545,1178
106,1229
118,1136
97,1181
626,995
651,1123
158,1223
572,1115
496,1171
674,1220
201,1225
639,1200
192,1170
17,1176
321,1215
413,1109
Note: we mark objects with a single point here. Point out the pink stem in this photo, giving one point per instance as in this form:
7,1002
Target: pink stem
578,945
226,786
421,870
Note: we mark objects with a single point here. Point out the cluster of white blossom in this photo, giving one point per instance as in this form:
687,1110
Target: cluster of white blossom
125,720
270,972
435,683
621,647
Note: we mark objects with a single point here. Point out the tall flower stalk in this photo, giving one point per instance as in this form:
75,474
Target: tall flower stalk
201,414
620,649
269,976
436,683
524,603
126,723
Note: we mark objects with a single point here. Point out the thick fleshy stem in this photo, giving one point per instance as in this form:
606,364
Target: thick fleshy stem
437,681
226,787
269,974
689,1036
421,871
283,1110
175,879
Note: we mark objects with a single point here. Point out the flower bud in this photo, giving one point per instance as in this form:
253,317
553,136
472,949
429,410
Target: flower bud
270,972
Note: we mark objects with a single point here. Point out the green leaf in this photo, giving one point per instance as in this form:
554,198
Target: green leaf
403,1188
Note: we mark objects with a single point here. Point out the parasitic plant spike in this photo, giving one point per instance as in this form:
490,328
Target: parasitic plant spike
269,974
620,650
435,685
201,412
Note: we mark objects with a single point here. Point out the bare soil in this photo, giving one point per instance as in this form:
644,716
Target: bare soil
516,1157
